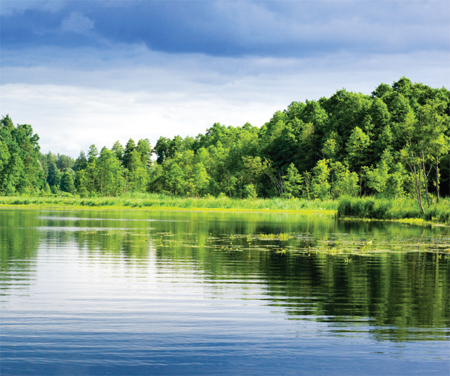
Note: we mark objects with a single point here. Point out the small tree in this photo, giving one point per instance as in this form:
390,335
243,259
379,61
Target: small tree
67,184
137,177
357,146
201,178
396,181
320,186
174,178
434,143
293,182
377,179
345,182
110,173
250,191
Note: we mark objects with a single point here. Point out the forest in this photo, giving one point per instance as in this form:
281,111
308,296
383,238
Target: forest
392,143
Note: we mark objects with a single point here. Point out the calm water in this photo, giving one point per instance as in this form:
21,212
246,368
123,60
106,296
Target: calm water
134,293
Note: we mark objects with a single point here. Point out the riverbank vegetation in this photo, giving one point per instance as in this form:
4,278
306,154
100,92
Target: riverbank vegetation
159,201
388,209
391,146
367,207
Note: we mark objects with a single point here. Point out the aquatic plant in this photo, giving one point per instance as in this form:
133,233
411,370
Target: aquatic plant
164,202
393,209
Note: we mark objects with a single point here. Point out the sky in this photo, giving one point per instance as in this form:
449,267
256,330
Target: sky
93,72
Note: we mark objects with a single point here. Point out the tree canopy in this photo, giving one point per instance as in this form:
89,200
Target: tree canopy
393,142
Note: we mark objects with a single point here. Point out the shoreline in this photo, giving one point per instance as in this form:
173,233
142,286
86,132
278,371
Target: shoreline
405,221
169,208
347,209
307,212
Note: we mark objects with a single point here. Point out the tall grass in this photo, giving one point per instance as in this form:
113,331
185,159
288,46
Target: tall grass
155,201
401,208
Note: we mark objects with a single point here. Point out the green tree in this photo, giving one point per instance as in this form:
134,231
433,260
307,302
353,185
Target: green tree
90,177
250,191
81,183
137,173
109,173
378,178
345,182
293,182
320,186
119,150
434,144
54,175
201,178
357,145
174,178
144,148
21,169
129,148
330,148
396,181
67,183
80,162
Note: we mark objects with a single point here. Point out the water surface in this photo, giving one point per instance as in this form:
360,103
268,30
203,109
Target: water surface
133,293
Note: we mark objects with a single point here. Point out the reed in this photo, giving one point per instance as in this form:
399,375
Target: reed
393,209
159,201
366,207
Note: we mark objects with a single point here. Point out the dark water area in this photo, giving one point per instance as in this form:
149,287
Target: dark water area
137,293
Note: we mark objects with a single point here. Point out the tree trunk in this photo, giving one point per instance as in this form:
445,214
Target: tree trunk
425,179
417,183
437,182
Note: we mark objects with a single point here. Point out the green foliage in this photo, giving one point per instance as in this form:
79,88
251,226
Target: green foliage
54,175
201,178
109,173
345,183
357,146
396,181
320,187
378,178
118,149
20,167
162,201
67,184
399,208
393,143
250,191
137,172
293,183
330,148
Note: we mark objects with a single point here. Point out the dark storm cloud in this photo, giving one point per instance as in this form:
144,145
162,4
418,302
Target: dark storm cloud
228,28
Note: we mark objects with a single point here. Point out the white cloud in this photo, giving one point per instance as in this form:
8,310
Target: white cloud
8,7
99,97
69,119
77,23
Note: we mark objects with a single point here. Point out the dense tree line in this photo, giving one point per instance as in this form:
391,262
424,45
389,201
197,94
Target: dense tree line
391,143
20,168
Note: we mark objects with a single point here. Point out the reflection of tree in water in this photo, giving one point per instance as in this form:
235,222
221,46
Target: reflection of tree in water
393,291
399,295
115,242
19,241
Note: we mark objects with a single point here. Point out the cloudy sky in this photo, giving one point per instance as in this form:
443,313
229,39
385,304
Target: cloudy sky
83,72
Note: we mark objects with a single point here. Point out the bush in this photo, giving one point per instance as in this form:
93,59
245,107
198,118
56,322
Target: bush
401,208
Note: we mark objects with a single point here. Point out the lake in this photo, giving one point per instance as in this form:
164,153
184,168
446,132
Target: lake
146,292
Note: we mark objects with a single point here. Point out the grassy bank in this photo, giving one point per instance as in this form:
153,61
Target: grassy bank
404,209
393,209
162,202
